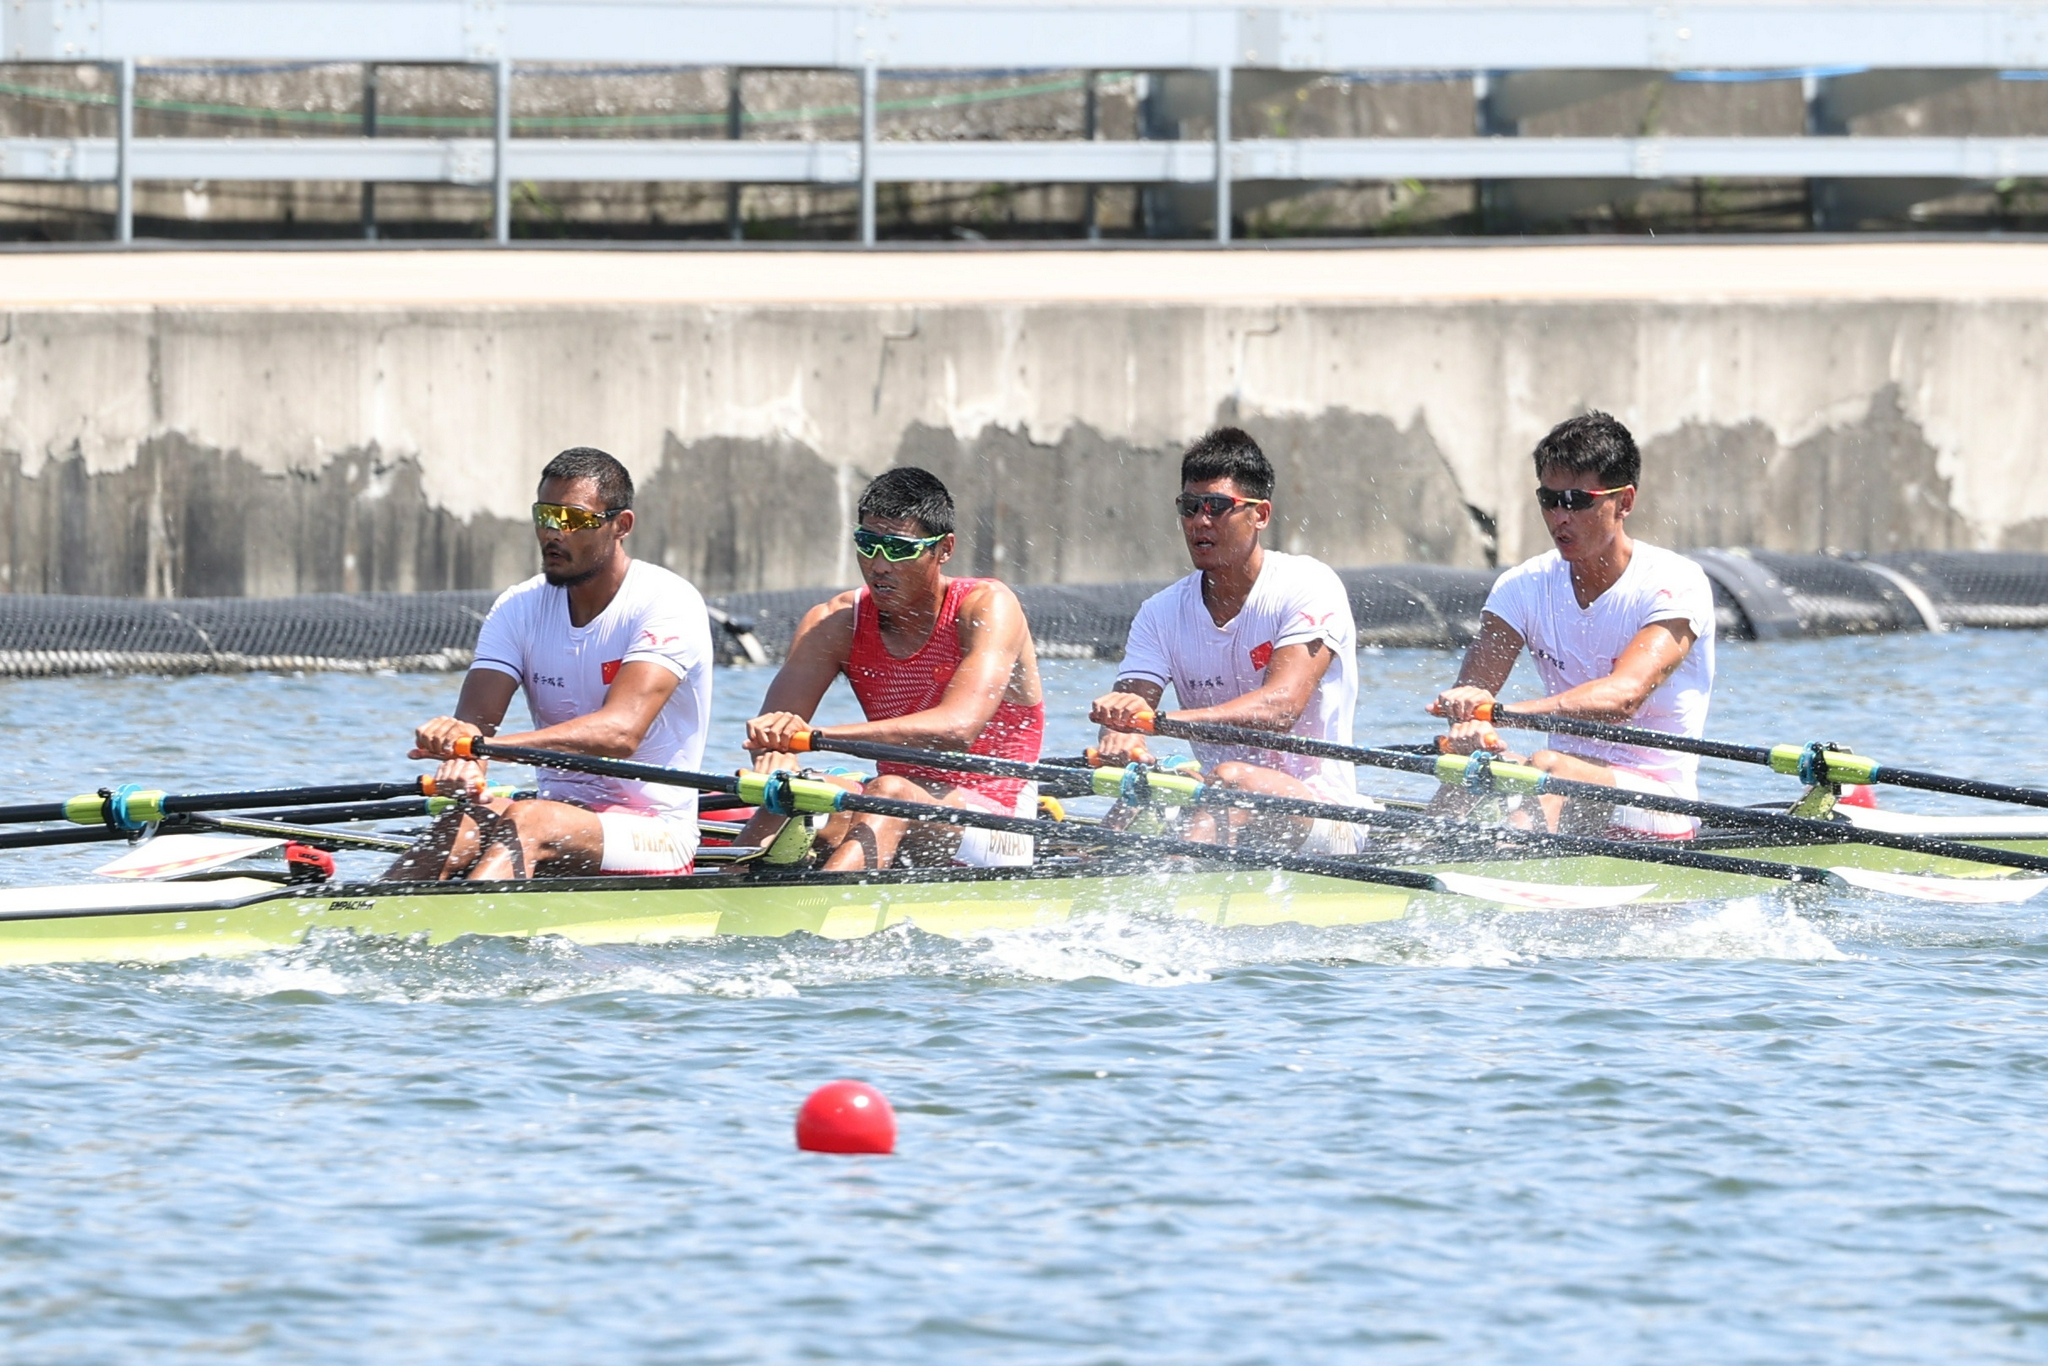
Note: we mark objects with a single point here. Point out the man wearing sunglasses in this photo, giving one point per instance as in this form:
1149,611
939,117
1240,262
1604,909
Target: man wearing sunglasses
1253,637
936,663
614,655
1619,630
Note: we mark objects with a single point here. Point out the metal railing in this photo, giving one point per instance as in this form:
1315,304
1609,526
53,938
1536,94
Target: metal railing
1527,58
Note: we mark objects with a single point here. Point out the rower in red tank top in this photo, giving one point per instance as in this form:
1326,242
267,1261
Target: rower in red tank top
936,663
888,687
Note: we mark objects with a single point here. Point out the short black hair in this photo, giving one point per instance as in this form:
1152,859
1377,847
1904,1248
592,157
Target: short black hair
1229,453
908,493
614,485
1591,443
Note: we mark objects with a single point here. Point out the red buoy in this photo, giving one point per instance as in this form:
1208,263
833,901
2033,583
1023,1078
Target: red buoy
846,1117
1862,794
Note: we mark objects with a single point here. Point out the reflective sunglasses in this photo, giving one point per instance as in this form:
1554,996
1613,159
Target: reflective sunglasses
560,517
1215,504
894,549
1573,500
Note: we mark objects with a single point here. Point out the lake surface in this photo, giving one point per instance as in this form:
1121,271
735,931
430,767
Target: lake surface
1753,1131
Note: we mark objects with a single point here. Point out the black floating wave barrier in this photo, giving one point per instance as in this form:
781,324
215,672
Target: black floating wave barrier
1758,595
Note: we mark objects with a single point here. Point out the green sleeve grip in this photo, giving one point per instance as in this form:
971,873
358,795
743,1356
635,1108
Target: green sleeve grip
1850,768
1839,764
146,807
808,795
1169,789
1452,768
90,808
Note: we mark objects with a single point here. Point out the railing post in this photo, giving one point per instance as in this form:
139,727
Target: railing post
733,129
370,131
501,170
124,159
1091,115
1222,153
867,155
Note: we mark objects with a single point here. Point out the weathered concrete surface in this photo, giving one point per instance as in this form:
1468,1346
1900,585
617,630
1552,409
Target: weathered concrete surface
215,423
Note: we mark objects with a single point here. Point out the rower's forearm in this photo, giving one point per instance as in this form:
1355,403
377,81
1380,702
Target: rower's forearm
920,730
1254,711
1604,699
597,735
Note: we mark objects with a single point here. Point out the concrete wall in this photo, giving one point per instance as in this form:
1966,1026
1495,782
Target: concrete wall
215,439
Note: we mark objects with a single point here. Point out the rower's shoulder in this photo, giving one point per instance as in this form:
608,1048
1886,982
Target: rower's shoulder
654,582
835,613
522,596
1287,569
1668,564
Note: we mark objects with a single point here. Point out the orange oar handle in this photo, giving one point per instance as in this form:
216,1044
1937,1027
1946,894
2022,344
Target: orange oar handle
1484,712
463,748
1143,725
800,743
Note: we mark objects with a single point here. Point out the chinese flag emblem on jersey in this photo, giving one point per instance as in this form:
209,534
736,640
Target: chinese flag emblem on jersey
610,669
1262,655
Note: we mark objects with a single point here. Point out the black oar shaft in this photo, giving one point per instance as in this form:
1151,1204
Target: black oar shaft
1861,770
1632,735
1819,832
1336,811
72,834
148,807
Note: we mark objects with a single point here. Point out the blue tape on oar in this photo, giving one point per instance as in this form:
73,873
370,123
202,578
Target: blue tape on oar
1813,764
777,796
117,808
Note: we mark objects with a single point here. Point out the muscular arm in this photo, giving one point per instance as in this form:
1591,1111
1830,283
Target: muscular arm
1651,656
635,697
613,731
824,641
1292,676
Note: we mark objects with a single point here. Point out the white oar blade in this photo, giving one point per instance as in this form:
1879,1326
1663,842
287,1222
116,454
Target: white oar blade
1541,896
1955,891
174,855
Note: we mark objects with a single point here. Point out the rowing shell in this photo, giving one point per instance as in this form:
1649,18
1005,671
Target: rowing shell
163,921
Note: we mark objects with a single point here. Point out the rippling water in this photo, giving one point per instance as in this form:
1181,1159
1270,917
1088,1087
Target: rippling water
1759,1130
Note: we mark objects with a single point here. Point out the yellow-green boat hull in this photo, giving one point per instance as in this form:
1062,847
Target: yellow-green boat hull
241,916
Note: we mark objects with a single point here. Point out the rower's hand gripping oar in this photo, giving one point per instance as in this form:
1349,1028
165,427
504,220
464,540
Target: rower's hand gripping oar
1811,764
1482,774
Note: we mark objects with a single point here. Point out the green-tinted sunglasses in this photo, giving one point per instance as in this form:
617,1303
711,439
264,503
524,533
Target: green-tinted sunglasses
894,549
561,517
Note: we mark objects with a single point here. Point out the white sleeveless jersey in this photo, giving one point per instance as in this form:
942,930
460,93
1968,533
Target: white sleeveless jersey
1570,645
1174,641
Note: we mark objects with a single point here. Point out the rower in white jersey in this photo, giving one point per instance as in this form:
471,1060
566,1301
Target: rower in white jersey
1254,638
1620,631
614,656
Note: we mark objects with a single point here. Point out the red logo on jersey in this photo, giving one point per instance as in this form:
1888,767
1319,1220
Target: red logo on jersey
1262,655
610,670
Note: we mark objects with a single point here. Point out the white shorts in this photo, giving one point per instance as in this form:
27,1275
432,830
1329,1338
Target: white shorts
981,848
635,842
1328,838
1636,823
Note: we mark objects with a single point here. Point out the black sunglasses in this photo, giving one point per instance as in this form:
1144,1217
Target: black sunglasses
1573,500
1215,504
